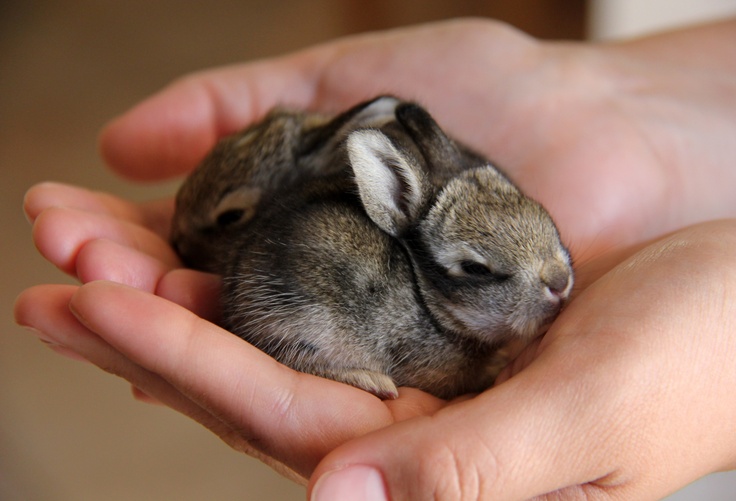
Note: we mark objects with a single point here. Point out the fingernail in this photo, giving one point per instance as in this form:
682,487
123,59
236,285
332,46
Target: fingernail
61,350
353,483
67,352
36,332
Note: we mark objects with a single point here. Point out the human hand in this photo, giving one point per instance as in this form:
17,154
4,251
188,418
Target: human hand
196,368
628,396
287,419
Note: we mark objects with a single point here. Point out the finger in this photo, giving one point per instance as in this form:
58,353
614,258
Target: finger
106,260
49,194
170,132
467,451
292,417
155,215
60,350
45,310
60,233
103,259
196,291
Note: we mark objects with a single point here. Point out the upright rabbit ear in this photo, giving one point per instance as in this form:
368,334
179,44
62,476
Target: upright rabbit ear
441,153
327,135
374,113
392,184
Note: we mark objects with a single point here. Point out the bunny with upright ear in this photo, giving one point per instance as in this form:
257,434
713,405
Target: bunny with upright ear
401,259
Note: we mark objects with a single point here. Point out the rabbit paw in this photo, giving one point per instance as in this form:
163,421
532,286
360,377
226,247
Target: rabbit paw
373,382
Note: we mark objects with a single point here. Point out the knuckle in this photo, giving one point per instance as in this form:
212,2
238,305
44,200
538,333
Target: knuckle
456,472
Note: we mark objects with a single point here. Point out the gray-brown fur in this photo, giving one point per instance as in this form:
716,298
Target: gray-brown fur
379,252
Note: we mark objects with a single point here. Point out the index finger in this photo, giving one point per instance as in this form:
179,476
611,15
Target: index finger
170,132
154,215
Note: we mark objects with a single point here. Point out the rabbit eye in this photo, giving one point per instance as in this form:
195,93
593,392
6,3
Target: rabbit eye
235,207
229,217
475,269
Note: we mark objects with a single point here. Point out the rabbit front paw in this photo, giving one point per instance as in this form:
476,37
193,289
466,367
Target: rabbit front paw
373,382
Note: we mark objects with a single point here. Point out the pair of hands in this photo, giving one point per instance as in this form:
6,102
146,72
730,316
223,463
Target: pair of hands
629,393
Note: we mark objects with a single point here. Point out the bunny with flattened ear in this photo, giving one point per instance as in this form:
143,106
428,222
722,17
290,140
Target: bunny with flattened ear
406,261
249,168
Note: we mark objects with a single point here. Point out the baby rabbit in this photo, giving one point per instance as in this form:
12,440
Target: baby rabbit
251,168
372,249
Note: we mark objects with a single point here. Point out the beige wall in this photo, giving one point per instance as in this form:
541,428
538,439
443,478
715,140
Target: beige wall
610,19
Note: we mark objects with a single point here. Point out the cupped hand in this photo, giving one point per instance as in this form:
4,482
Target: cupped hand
287,419
628,396
144,318
618,149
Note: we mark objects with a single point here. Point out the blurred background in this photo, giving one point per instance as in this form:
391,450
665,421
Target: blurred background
68,431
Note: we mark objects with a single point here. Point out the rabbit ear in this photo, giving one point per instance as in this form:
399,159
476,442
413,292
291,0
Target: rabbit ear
328,135
373,113
440,152
392,185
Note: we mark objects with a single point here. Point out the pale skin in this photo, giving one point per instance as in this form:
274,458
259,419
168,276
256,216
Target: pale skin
630,146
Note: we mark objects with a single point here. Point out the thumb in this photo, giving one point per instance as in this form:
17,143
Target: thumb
516,441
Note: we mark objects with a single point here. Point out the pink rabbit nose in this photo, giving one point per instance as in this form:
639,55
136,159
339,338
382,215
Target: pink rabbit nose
557,280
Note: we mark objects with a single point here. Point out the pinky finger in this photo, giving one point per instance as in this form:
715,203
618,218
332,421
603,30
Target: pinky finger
144,397
104,259
45,309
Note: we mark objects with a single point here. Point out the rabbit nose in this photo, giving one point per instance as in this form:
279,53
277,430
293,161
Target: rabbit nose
176,245
557,281
183,250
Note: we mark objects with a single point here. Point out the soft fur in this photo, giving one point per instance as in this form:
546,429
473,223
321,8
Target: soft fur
372,249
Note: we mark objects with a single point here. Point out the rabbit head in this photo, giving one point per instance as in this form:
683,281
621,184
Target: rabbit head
488,260
251,166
